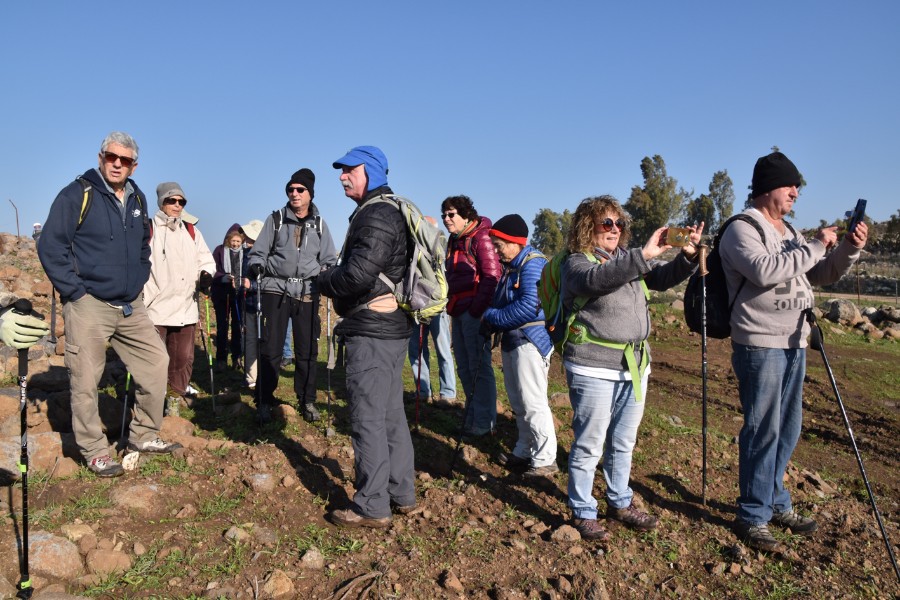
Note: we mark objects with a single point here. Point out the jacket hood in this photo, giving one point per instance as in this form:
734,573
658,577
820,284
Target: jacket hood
235,227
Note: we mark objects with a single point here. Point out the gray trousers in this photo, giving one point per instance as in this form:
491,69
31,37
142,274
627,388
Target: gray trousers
90,325
382,444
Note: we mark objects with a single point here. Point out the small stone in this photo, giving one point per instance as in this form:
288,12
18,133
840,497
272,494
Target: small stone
451,582
312,559
565,533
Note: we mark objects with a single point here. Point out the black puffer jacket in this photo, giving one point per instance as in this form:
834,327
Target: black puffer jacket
376,243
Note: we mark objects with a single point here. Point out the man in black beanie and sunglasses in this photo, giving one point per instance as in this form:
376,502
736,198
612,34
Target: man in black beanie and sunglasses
294,246
770,270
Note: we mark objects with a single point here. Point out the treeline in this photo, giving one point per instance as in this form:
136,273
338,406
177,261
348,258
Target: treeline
660,201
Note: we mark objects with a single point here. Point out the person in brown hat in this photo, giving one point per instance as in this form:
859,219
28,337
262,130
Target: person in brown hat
770,270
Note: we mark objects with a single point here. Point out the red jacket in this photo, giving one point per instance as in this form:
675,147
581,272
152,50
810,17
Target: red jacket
473,270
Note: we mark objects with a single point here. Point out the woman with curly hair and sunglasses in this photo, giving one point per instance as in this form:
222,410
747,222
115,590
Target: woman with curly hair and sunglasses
606,355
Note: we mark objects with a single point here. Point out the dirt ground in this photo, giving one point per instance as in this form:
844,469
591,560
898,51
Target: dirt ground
483,532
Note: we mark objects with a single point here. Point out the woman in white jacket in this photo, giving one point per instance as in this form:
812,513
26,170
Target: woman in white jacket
181,264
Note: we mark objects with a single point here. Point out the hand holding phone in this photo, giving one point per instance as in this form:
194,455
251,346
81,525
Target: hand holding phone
858,214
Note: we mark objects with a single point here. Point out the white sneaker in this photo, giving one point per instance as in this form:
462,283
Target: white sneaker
191,390
155,446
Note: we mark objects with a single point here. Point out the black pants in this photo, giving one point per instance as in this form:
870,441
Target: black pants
228,316
304,317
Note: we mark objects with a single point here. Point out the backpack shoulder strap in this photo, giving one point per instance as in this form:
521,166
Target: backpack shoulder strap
86,199
277,220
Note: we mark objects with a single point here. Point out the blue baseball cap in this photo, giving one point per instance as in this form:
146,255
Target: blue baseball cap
373,158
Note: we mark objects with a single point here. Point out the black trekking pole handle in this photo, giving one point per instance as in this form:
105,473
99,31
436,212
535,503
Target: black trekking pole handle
815,342
24,307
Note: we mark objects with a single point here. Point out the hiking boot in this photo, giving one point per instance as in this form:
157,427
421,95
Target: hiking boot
104,466
310,413
404,509
286,362
796,523
511,461
155,446
541,472
350,518
445,402
263,414
631,516
756,536
590,529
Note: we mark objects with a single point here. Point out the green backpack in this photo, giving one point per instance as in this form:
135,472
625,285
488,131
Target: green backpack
551,285
423,291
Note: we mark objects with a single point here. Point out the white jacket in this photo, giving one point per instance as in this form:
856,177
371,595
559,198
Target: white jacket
176,262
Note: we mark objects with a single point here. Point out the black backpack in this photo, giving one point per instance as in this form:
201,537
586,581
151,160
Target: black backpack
718,309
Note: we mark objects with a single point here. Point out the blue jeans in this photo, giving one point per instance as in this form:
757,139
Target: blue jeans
605,421
473,361
770,381
287,353
440,333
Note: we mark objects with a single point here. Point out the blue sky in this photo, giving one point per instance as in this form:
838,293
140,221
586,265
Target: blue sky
520,105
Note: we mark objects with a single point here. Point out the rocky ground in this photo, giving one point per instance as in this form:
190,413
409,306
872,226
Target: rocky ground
239,513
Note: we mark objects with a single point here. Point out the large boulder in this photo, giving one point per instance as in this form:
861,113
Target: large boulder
841,311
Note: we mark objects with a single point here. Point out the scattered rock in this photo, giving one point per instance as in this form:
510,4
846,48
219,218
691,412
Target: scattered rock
451,582
279,586
312,560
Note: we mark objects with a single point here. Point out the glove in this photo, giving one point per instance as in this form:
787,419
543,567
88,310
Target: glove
21,331
204,282
255,270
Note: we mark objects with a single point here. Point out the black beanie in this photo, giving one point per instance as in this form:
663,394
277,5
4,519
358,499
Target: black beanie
303,177
772,172
511,228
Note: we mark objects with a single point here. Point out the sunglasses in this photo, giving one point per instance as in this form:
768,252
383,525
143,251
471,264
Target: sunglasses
607,224
448,215
299,190
180,201
112,157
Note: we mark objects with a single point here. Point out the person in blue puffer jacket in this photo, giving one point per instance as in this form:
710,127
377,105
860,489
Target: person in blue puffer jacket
525,347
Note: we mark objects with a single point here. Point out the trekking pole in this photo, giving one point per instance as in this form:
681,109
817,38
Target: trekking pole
467,408
816,343
212,381
704,251
23,307
332,362
419,374
52,339
259,370
125,410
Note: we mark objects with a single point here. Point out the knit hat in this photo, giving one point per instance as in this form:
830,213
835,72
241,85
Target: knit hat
511,228
167,190
252,229
303,177
373,158
772,172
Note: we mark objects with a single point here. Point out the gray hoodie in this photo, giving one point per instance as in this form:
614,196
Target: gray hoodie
780,274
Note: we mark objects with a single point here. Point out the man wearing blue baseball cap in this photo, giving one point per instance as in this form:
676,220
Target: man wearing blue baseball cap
376,332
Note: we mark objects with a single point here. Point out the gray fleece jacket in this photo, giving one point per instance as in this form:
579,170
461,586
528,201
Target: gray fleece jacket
618,309
780,274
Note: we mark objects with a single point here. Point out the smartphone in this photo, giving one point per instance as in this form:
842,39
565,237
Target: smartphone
678,236
858,214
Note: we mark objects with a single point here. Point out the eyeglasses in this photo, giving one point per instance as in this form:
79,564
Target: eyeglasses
180,201
448,214
607,224
112,157
299,190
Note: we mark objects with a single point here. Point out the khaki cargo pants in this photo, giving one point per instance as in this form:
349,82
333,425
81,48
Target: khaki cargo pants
90,325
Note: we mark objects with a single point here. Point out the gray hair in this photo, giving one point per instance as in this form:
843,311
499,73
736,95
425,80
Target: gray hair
121,138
